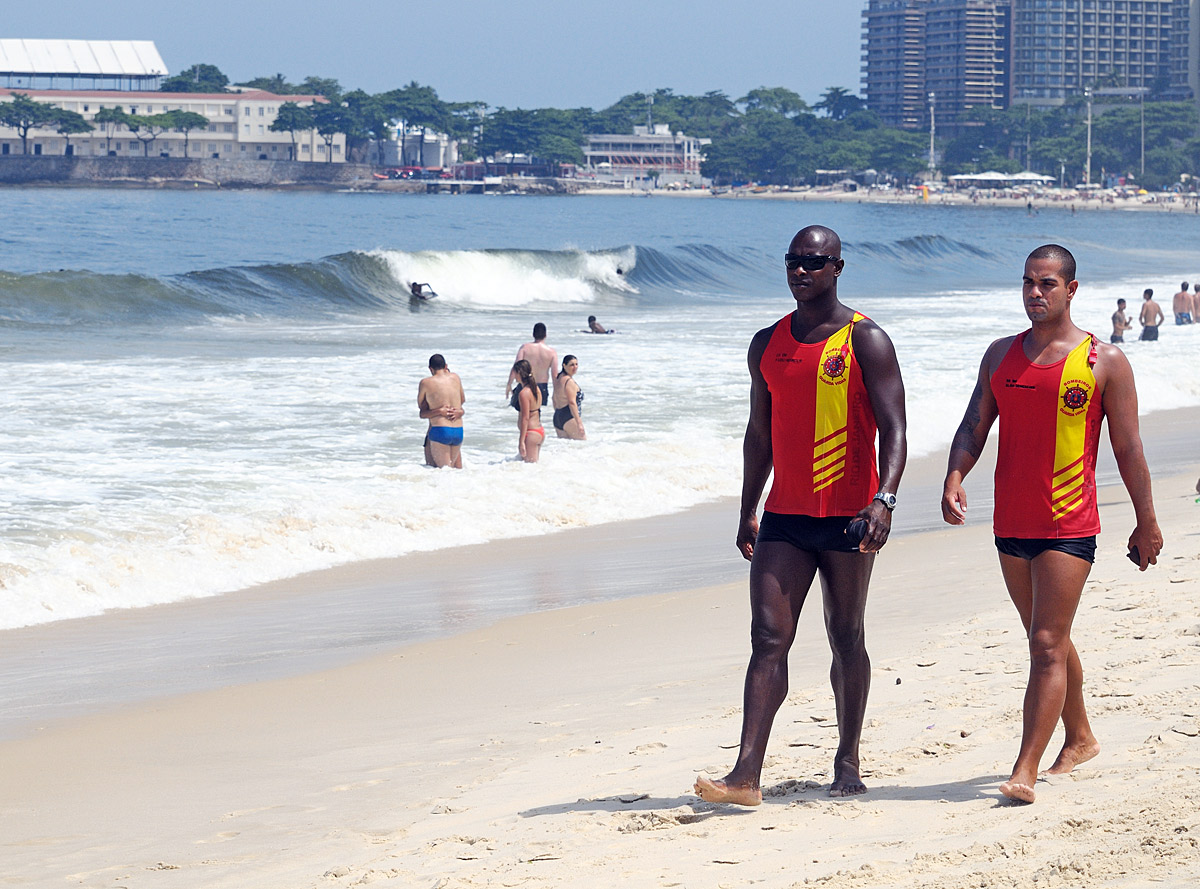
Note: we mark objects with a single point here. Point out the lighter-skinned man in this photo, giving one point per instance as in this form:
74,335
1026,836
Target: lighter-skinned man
1151,316
1051,387
440,400
542,360
824,381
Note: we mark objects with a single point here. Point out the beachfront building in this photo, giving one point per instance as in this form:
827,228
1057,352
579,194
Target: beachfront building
416,148
955,49
650,152
130,65
239,127
1059,49
894,61
1183,51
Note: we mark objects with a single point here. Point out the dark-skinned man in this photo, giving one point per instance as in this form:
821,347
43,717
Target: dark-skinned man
1051,387
824,381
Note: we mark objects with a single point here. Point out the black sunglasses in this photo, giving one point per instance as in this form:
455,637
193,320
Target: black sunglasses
808,263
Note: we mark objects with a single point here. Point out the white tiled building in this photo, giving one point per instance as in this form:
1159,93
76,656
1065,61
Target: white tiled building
238,127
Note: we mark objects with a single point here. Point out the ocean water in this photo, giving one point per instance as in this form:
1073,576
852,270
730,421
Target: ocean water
208,391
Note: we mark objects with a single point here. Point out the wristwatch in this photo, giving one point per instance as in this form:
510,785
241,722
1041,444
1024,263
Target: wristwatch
888,500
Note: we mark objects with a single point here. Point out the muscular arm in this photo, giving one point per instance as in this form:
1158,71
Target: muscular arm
971,435
1119,398
881,374
756,447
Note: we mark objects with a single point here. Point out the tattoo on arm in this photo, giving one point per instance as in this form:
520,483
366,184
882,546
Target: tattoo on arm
966,438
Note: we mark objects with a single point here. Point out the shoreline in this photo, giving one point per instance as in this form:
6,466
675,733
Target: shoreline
336,616
515,186
558,748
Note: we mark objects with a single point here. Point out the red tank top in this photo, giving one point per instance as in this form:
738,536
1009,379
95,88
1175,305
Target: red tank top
822,425
1049,431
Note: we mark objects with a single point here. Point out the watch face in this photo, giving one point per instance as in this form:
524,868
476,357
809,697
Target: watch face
888,500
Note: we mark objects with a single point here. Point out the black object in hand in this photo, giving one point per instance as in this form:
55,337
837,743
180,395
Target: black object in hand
1134,556
856,531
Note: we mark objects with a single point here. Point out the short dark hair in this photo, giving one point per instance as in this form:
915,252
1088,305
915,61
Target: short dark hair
1147,293
1183,286
1061,255
436,361
592,318
1121,301
539,331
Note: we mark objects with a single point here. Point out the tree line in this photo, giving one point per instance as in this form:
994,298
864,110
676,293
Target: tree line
770,136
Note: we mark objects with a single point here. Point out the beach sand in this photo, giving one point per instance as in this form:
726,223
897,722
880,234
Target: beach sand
559,748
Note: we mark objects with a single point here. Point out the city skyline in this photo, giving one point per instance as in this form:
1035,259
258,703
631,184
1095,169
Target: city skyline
532,56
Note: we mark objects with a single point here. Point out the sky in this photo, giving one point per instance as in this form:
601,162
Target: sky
517,54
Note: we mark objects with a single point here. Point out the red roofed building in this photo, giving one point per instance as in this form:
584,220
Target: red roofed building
238,127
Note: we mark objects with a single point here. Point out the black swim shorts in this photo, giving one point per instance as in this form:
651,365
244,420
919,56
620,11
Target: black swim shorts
1150,333
1029,548
813,533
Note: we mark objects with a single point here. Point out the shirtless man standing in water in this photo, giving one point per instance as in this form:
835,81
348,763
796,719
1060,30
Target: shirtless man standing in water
823,380
1051,388
542,360
440,399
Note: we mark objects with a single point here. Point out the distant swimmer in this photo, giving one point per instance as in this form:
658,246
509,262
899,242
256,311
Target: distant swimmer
1120,323
568,402
1151,316
530,432
542,361
1182,306
823,380
1051,387
440,399
596,327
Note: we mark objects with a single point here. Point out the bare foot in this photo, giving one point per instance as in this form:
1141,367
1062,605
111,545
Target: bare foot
720,792
1021,793
846,782
1069,757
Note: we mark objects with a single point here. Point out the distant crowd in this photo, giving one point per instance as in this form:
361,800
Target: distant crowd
1184,305
440,399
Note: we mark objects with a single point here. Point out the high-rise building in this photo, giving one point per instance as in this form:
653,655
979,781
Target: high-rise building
1183,51
995,53
955,49
966,56
1061,47
894,61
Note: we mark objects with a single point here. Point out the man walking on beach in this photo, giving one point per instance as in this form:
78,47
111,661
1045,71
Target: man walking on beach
542,359
1151,316
823,380
1120,322
1052,387
440,399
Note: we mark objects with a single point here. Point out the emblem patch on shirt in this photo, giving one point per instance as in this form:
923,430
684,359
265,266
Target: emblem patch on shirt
833,369
1075,397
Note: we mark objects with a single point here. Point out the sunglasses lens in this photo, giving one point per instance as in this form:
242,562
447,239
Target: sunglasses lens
808,263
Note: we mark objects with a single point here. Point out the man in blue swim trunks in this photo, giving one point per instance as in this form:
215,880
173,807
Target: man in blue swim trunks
440,398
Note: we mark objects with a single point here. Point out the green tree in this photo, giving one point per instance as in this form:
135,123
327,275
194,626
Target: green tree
320,86
70,123
110,120
329,119
23,114
277,85
776,99
185,122
291,119
148,127
196,79
838,102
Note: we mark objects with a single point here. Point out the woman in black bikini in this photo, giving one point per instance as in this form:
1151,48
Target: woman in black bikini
568,401
530,433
